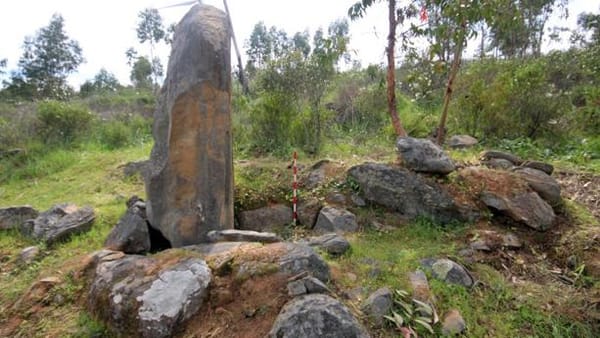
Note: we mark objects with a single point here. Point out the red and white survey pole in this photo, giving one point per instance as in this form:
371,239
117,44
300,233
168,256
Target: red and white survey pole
295,188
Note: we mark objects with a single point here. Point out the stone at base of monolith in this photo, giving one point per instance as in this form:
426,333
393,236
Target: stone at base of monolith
189,180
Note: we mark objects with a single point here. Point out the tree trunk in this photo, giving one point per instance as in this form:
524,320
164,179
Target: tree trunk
453,71
391,71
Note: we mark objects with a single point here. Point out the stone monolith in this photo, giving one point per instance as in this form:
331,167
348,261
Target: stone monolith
189,180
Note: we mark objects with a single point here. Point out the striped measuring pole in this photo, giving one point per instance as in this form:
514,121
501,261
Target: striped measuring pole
295,188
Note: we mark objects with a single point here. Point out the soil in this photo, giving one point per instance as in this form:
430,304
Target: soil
581,187
247,309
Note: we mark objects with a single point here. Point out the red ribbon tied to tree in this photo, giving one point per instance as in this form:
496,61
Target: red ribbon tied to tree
423,14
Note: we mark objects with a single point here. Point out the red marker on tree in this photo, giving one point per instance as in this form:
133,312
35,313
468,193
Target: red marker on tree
423,14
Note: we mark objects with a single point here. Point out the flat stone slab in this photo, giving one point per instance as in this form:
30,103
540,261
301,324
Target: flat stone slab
242,236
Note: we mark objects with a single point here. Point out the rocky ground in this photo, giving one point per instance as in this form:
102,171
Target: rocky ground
501,247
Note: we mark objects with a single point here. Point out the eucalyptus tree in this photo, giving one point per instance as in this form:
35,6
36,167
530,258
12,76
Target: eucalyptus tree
48,58
151,29
396,16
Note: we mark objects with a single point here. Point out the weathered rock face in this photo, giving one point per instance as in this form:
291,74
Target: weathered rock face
59,222
316,315
189,180
494,154
406,192
542,183
335,220
131,234
13,217
147,297
308,211
268,218
510,194
422,155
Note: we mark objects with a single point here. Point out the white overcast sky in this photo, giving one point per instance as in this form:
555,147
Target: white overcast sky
106,28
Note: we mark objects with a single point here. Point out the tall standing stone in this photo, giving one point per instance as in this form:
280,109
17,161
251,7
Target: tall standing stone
189,181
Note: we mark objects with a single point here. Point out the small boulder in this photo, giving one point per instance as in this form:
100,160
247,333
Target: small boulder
318,174
29,254
59,222
242,236
13,217
462,141
542,183
135,168
527,208
378,304
422,155
420,286
306,285
332,243
494,154
542,166
147,296
308,211
453,324
316,315
266,219
335,220
336,197
131,234
448,271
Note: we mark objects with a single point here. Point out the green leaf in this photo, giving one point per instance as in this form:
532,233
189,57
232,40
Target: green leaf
425,325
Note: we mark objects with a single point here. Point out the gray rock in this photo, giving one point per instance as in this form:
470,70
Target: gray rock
545,167
134,168
131,234
317,175
542,183
266,219
378,304
306,285
296,288
357,200
493,154
408,193
481,245
29,254
335,220
422,155
13,217
59,223
308,211
173,297
331,243
462,141
336,198
242,236
10,153
314,285
453,324
448,271
189,178
527,208
300,258
147,297
316,315
499,163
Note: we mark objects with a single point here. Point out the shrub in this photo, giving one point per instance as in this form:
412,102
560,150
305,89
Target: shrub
62,122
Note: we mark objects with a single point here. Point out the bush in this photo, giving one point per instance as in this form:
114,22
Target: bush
114,134
62,122
270,122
